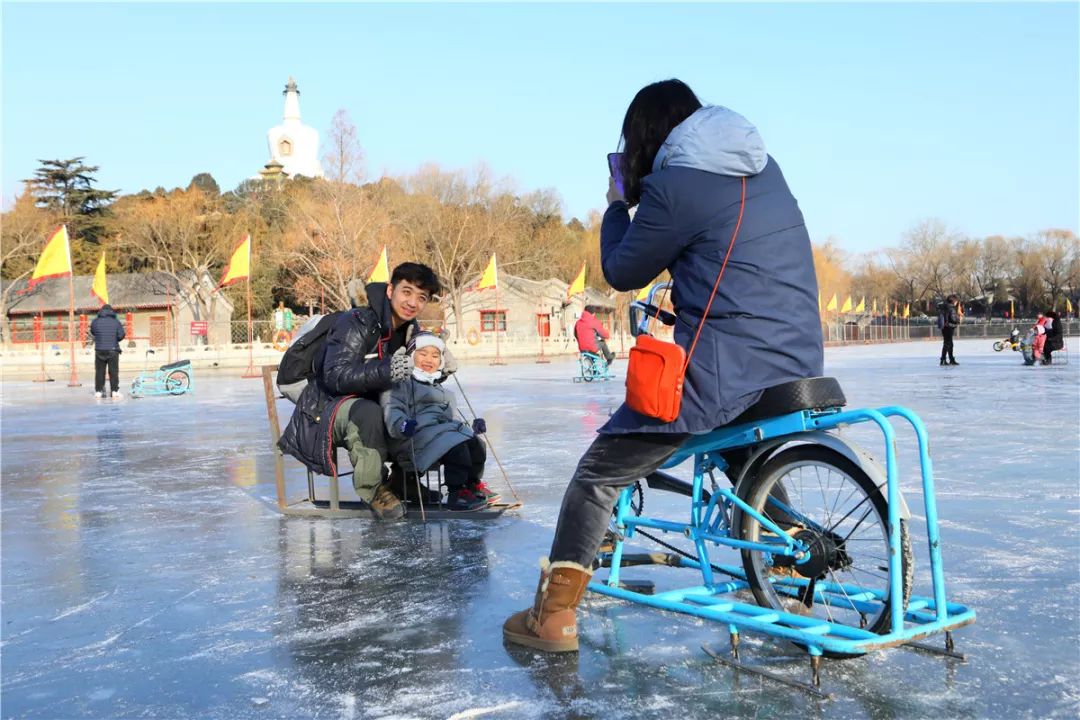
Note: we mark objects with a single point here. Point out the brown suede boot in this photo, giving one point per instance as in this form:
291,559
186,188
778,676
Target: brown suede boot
551,623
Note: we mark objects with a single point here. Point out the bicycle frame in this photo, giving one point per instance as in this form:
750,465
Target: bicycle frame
593,367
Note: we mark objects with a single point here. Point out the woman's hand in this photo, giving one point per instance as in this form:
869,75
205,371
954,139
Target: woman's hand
613,193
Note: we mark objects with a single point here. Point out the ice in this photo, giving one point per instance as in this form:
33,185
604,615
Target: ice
146,571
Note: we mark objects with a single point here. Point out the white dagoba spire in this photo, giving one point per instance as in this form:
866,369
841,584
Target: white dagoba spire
292,100
293,144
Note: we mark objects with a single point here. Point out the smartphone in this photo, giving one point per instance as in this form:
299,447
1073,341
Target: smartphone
614,163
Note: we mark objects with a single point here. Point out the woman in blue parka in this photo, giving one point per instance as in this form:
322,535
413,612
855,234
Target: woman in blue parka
683,167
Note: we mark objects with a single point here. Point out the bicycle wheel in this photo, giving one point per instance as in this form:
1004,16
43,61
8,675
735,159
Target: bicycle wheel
176,382
999,346
832,505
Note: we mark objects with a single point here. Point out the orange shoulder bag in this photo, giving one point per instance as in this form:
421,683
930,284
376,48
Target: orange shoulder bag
657,369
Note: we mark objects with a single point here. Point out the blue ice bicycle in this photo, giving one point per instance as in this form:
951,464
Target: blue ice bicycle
172,379
821,528
592,367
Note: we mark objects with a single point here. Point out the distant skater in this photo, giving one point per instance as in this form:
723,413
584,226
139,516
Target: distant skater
948,321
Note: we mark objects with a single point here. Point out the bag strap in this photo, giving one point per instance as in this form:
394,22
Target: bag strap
723,266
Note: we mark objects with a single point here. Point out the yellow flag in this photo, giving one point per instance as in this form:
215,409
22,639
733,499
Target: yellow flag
1012,310
381,271
861,307
578,286
490,277
832,303
907,310
100,289
239,267
873,310
55,260
1068,305
847,305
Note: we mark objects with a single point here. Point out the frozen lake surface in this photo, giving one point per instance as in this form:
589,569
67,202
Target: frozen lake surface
146,573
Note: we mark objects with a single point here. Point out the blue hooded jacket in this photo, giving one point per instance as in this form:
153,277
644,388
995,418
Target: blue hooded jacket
764,327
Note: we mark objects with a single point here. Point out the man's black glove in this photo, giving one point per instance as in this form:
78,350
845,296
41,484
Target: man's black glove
401,365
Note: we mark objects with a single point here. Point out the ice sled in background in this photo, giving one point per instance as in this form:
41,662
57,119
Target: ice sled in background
174,378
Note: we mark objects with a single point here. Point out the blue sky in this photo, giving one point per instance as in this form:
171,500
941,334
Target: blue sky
881,115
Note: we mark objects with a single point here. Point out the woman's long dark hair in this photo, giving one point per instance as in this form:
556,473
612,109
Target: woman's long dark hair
653,114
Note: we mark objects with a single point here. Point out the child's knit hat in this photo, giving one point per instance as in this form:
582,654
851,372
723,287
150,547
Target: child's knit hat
425,339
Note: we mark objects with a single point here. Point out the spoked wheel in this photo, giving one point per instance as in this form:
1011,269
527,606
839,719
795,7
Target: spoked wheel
588,370
999,346
831,505
177,382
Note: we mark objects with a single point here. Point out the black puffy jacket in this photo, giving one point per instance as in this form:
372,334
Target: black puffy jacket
355,362
106,329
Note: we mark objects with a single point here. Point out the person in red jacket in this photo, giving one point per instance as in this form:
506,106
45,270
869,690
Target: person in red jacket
591,334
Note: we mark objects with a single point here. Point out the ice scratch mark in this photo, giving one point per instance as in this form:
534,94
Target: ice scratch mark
477,712
80,608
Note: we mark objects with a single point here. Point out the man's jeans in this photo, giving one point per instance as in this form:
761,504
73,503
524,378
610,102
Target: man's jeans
611,463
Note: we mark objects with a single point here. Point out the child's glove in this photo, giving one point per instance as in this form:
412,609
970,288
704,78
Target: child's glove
407,427
401,365
479,426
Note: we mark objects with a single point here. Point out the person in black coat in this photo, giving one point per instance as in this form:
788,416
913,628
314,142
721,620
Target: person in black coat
1055,339
364,355
107,332
948,321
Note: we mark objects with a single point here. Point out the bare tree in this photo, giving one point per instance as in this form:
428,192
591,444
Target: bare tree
992,268
1027,280
1058,251
183,235
22,236
344,158
335,234
921,263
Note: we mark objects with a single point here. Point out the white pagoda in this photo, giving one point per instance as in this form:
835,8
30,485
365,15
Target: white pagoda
293,145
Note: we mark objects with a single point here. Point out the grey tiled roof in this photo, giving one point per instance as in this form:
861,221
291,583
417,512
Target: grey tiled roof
126,290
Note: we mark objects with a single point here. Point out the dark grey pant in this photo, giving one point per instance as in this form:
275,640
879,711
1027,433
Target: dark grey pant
605,350
947,344
612,463
106,359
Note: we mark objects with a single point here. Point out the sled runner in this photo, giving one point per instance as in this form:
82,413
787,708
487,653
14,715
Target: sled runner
332,506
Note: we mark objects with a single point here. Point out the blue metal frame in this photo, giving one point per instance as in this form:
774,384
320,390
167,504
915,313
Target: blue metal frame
593,367
147,384
707,524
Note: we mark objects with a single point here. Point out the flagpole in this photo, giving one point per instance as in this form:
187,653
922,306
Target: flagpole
74,380
39,335
250,372
498,358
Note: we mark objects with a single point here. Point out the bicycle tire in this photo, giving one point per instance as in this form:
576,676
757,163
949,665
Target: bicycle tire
176,382
999,346
845,518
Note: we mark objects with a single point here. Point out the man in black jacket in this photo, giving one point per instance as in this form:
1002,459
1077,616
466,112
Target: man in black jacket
107,332
948,321
364,354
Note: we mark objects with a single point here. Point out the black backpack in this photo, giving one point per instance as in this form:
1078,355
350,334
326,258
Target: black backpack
297,365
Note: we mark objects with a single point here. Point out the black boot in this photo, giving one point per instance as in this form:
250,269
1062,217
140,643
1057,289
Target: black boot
952,361
943,363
